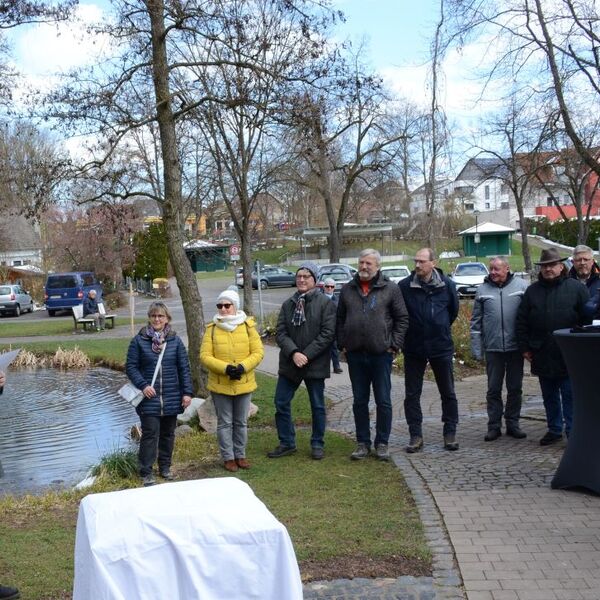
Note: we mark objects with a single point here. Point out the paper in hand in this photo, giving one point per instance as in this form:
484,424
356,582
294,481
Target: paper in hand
7,357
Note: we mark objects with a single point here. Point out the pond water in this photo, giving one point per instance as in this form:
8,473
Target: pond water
55,425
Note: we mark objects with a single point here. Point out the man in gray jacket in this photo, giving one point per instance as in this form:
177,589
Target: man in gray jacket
493,334
371,322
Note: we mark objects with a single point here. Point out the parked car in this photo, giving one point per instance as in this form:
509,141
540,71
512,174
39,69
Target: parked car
64,290
14,300
396,273
274,277
340,273
468,277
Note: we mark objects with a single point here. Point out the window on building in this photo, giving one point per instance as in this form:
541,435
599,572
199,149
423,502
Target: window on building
504,189
17,263
487,206
487,192
549,201
470,206
504,205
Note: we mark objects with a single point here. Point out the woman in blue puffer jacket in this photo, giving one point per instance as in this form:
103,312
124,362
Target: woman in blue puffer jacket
171,394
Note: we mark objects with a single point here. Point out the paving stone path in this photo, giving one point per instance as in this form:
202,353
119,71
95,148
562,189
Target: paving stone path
495,528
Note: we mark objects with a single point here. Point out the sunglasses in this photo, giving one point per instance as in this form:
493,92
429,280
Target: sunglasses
329,286
220,306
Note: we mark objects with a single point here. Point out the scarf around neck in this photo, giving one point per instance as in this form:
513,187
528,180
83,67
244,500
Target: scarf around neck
157,337
300,299
230,322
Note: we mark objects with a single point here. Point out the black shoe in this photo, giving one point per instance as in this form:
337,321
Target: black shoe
9,593
317,453
338,370
450,442
281,451
415,444
516,433
550,438
493,434
166,474
147,481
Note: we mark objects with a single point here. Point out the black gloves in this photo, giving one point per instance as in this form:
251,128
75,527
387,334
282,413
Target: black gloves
234,373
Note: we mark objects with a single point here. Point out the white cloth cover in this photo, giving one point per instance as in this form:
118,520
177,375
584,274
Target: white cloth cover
206,539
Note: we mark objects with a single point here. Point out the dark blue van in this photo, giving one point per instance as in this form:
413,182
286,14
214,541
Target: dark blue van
65,290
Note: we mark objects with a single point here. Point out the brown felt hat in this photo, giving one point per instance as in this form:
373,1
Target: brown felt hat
549,256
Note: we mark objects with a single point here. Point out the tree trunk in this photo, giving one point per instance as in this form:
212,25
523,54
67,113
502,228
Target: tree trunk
173,217
247,264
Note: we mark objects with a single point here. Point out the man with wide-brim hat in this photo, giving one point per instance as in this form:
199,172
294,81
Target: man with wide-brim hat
549,256
554,301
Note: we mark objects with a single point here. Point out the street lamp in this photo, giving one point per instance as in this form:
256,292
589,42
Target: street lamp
476,237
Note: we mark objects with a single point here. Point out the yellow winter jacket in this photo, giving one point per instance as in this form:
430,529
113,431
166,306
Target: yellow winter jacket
221,348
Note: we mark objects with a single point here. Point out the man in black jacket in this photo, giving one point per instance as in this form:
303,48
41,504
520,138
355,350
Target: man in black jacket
371,323
555,301
432,304
305,332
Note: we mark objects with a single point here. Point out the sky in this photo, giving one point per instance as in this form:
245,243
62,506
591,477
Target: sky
398,35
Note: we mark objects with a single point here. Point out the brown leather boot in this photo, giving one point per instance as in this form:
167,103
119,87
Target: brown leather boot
242,463
230,465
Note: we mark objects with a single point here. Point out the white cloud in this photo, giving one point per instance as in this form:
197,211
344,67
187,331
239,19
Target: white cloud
43,49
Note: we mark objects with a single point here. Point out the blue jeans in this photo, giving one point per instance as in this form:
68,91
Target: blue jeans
284,392
368,370
414,370
555,389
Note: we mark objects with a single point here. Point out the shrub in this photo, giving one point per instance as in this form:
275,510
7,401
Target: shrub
120,463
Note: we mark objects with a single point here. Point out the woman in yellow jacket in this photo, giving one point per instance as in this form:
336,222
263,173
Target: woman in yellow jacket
231,350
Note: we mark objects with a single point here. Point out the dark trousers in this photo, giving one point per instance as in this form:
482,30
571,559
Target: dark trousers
499,365
284,393
335,356
414,370
368,370
158,437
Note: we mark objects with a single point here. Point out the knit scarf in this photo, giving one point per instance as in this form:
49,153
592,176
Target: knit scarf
230,322
299,317
157,337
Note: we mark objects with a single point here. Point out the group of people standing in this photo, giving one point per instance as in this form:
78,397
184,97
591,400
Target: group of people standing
371,322
375,319
512,322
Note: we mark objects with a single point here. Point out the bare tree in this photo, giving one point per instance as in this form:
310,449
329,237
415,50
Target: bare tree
344,132
545,47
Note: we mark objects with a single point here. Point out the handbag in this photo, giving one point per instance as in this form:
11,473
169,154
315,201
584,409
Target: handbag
133,395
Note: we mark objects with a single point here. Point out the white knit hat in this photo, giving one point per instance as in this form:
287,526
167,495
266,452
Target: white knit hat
232,296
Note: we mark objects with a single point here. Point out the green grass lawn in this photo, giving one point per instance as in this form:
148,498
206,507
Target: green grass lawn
337,511
41,327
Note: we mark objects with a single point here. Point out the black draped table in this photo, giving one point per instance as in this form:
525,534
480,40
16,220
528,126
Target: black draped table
580,463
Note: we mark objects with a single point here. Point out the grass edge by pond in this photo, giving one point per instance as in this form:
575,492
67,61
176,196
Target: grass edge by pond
358,516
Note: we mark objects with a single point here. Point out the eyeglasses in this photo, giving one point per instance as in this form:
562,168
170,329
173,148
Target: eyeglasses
303,276
327,287
220,306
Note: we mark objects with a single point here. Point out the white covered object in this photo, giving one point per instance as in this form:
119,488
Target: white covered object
210,539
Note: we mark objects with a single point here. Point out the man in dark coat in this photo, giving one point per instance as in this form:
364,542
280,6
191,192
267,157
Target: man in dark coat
91,309
432,304
329,291
586,271
305,332
555,301
371,323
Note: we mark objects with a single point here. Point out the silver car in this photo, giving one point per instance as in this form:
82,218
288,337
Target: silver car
14,300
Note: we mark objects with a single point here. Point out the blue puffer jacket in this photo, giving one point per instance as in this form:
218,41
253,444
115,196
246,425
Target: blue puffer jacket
431,312
173,381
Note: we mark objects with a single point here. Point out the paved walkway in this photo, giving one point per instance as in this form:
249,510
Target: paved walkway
496,529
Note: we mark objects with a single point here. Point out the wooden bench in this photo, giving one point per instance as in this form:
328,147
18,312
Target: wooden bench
79,319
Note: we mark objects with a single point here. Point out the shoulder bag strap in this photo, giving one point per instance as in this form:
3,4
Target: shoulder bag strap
160,357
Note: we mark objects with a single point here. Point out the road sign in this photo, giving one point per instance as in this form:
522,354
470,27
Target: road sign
234,252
